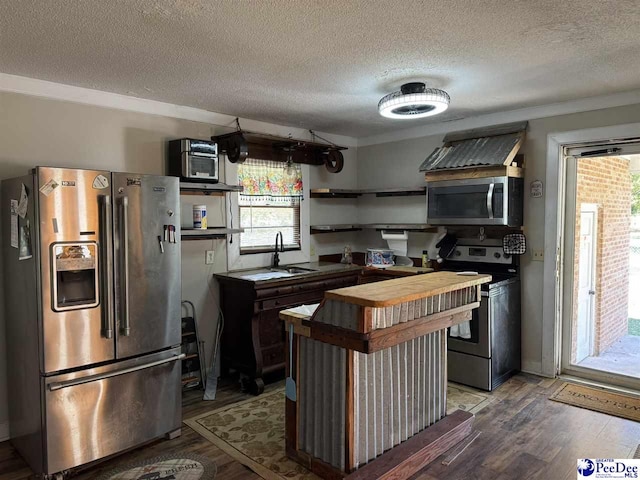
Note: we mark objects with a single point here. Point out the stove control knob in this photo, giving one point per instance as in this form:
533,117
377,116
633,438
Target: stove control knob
507,256
497,255
458,253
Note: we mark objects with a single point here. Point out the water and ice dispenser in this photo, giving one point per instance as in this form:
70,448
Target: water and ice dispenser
75,276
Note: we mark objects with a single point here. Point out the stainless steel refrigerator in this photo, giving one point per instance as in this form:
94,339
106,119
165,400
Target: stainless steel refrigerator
92,309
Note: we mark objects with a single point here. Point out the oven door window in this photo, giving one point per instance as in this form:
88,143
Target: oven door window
466,202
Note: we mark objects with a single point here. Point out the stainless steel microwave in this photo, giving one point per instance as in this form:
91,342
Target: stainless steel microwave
194,160
476,201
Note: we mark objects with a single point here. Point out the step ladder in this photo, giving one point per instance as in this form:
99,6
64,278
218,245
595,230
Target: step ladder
193,371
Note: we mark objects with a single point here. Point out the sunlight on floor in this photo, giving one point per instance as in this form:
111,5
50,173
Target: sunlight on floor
622,357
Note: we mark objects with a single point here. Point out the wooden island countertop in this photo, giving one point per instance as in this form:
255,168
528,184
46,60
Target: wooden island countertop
405,289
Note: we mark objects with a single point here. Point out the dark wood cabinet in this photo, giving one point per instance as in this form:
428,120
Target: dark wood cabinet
253,339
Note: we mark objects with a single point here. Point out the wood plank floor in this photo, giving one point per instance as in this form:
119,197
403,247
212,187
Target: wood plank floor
523,435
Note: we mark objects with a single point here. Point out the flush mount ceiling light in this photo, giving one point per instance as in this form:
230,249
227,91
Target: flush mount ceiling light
414,100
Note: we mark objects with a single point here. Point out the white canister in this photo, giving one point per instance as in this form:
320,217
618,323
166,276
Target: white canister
200,216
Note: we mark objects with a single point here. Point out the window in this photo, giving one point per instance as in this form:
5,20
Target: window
270,203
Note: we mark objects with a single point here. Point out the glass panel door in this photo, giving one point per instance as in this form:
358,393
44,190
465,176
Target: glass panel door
601,267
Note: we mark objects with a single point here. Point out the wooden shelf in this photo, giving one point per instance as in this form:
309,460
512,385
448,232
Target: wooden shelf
334,228
396,192
334,193
209,233
412,227
216,189
378,192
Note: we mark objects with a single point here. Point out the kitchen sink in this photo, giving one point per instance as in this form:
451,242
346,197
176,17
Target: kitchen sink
279,272
293,269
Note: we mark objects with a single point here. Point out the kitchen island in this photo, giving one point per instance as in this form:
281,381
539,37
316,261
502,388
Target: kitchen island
367,380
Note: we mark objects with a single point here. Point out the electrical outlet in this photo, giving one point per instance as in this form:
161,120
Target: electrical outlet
312,250
209,257
538,255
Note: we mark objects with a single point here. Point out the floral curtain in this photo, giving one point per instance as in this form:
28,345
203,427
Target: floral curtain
270,179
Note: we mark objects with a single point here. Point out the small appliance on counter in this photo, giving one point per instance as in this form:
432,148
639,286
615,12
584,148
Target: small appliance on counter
193,160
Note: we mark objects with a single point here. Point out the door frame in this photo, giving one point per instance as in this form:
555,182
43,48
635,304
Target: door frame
554,230
570,253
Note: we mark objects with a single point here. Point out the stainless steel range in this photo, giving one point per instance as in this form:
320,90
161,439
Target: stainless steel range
486,352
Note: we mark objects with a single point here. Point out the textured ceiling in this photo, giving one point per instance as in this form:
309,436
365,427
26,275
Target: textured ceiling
324,64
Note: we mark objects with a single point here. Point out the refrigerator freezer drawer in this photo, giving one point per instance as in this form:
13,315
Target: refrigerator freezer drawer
90,417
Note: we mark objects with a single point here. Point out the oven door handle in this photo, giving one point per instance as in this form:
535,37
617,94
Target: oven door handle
490,200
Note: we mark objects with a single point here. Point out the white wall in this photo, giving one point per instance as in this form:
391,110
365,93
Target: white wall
396,164
40,131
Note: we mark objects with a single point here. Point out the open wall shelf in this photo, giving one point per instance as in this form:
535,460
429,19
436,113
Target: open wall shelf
215,189
411,227
378,192
209,233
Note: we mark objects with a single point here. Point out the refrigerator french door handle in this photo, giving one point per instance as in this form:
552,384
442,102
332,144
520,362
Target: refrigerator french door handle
125,327
101,376
490,200
107,268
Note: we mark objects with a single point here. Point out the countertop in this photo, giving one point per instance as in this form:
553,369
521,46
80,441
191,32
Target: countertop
319,269
406,289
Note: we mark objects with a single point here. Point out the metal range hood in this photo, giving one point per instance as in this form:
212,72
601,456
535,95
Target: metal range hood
494,146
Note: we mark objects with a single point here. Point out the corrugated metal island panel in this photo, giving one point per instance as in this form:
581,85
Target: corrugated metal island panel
346,315
398,392
322,385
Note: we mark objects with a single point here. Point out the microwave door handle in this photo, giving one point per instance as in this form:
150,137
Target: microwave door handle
490,200
107,265
125,327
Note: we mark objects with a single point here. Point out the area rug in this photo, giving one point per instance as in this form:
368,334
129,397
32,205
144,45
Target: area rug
602,401
175,466
252,431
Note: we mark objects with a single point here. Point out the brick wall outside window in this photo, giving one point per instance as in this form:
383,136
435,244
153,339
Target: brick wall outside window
606,182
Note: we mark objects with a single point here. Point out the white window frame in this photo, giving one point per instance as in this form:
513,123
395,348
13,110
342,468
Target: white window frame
235,261
270,246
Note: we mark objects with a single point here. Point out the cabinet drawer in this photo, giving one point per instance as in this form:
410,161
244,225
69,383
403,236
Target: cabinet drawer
292,300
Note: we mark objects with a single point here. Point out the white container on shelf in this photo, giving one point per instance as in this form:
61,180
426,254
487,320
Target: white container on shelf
200,216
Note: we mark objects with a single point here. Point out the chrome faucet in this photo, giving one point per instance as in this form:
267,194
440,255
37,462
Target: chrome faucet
276,258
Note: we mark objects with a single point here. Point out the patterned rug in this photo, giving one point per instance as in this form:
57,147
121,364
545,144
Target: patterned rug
176,466
252,431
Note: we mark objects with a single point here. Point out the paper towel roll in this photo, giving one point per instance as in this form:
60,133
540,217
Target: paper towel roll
397,241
